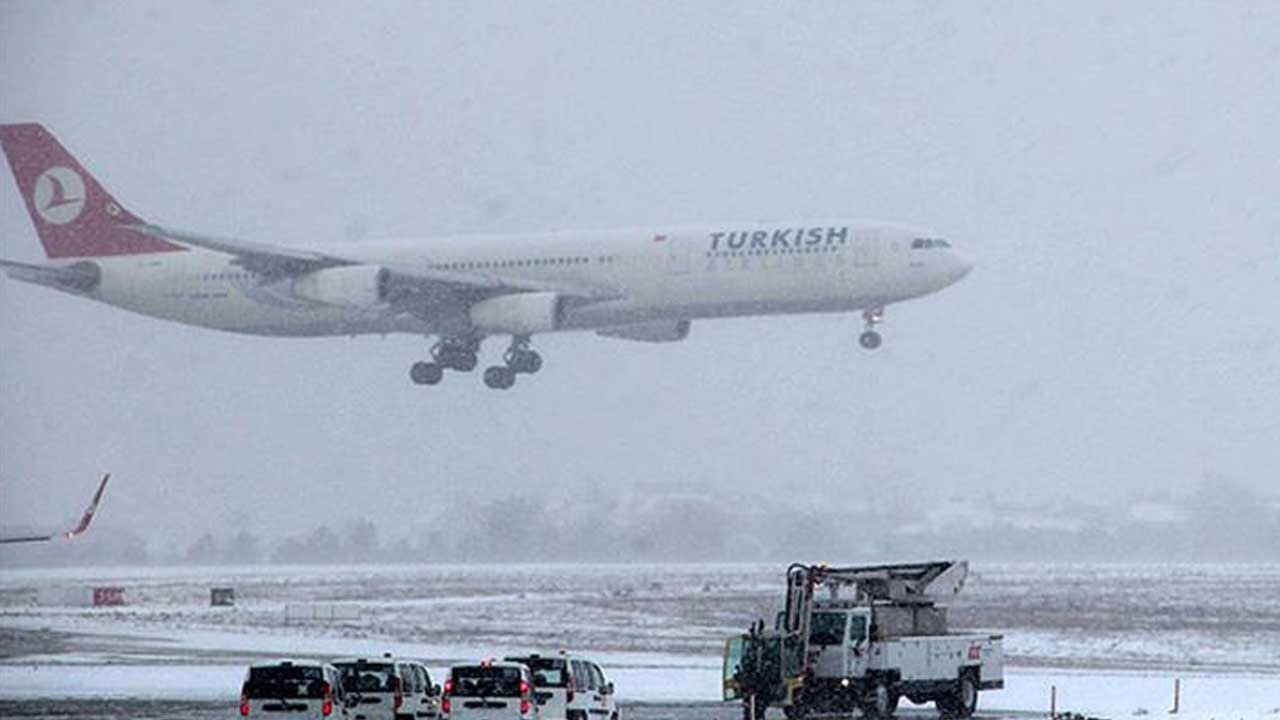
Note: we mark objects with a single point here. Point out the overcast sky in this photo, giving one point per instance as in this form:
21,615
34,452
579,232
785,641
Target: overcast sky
1111,168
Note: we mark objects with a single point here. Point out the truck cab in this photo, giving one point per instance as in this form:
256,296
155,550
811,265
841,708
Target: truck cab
839,640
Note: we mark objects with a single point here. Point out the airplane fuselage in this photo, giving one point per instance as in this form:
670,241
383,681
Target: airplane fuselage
676,273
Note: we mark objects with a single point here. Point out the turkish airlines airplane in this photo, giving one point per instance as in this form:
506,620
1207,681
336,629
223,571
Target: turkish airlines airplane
643,284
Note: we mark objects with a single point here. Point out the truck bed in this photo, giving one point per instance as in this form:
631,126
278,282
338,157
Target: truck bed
941,657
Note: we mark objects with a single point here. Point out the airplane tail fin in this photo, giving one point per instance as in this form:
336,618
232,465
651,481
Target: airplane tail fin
74,216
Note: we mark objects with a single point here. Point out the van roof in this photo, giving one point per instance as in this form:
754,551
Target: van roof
369,660
560,655
286,662
494,663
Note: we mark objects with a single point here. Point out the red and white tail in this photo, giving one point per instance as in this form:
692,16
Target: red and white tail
74,216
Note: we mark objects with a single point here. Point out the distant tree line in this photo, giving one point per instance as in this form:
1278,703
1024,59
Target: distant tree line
1221,521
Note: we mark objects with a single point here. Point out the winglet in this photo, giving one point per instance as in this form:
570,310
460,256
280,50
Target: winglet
88,513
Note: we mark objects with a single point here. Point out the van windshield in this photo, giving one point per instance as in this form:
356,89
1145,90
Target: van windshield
475,681
367,677
285,681
547,672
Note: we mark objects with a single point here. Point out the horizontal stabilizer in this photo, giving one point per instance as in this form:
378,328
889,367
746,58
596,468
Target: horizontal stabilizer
78,277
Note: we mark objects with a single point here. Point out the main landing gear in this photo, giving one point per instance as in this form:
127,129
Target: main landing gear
461,354
870,339
519,359
448,354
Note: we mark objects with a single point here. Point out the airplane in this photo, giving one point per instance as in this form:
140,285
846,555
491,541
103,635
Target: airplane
74,532
642,284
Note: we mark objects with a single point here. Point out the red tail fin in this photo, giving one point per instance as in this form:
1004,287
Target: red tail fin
74,216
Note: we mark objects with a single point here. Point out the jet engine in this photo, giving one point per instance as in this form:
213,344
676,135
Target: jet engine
658,331
519,313
356,286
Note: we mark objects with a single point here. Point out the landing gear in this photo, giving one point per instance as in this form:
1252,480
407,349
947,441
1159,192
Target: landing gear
499,377
425,373
451,353
519,359
457,353
870,339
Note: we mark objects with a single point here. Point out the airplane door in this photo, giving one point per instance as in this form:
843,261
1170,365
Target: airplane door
866,249
678,252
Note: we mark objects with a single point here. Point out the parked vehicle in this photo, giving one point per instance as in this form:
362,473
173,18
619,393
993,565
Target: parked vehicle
421,696
570,688
885,641
490,690
388,688
293,690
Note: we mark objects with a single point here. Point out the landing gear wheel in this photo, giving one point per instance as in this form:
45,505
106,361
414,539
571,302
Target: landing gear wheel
880,703
524,361
870,339
499,377
426,373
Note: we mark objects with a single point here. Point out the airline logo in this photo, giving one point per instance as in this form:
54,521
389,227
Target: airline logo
779,238
59,195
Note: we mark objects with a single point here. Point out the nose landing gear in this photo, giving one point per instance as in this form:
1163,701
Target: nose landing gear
519,359
870,339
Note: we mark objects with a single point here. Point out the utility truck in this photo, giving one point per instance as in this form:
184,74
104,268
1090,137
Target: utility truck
879,635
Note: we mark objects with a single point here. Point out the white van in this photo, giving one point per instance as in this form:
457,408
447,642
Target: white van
421,697
570,688
388,688
292,690
490,691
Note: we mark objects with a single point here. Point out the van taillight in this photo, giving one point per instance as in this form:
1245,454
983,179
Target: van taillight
524,687
446,706
326,708
399,690
568,694
448,686
244,700
524,707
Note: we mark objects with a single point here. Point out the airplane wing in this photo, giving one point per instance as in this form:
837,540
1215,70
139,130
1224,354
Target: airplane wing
408,283
89,511
72,277
74,532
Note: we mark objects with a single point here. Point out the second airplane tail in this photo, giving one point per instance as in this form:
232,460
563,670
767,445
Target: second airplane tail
74,215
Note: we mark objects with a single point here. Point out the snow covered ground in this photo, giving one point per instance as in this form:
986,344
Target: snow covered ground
1111,638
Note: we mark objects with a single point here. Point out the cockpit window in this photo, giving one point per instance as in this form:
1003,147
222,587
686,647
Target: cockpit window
927,243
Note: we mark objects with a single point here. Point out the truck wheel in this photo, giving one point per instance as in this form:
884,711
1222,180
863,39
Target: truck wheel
881,703
962,701
967,696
